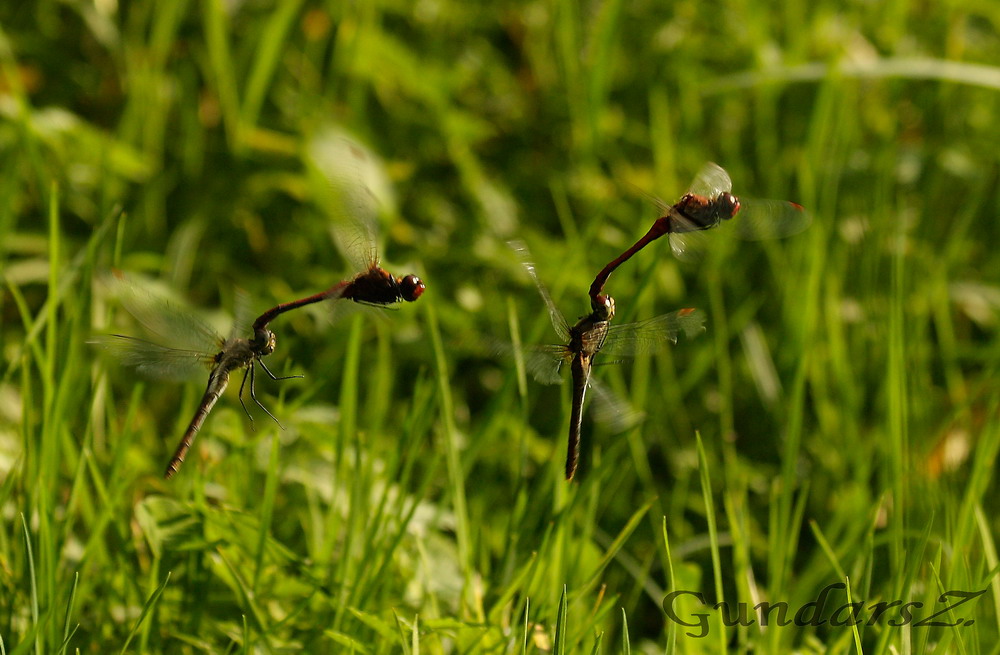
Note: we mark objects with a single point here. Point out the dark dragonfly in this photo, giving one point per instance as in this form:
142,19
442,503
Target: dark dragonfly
346,177
593,334
708,203
196,346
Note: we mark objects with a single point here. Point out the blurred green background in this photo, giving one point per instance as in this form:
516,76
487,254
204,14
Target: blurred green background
837,422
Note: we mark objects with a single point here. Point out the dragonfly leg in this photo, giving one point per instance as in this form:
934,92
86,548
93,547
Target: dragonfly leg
244,405
253,393
273,377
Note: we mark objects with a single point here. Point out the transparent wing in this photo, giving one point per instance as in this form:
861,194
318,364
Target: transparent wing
645,337
152,359
163,318
710,181
544,363
611,410
558,320
342,309
351,185
242,314
688,241
769,219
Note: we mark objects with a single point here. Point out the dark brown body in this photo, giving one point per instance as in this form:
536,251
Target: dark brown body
375,286
236,353
586,340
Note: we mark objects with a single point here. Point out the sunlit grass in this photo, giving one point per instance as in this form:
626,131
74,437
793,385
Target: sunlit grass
837,423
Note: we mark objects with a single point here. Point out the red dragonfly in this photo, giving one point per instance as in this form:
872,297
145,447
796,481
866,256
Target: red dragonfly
591,335
708,203
348,177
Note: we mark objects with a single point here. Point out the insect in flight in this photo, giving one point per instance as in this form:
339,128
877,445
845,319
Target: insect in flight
708,203
373,286
343,166
593,334
198,346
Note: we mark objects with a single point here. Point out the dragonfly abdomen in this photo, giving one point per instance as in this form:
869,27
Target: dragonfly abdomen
217,383
581,377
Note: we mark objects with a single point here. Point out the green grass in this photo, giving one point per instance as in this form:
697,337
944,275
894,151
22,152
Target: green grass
837,423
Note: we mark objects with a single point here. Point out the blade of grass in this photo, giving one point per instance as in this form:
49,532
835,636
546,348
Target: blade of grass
39,646
713,536
456,476
559,646
147,607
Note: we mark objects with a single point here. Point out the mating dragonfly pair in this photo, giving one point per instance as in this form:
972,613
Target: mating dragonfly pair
374,286
708,203
355,216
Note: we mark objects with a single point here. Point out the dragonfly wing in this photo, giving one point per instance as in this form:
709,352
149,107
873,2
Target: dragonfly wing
710,181
651,335
242,314
770,219
351,185
152,359
164,318
558,320
342,309
688,241
545,363
611,410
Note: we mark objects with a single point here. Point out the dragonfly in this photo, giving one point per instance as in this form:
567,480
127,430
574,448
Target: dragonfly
346,178
196,346
205,347
708,203
373,286
593,334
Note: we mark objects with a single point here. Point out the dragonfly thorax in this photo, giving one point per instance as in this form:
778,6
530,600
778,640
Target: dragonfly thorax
701,212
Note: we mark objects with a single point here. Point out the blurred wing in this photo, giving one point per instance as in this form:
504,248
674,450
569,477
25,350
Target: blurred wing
242,314
651,335
152,359
558,320
611,410
341,309
688,241
163,318
710,181
770,219
351,185
544,363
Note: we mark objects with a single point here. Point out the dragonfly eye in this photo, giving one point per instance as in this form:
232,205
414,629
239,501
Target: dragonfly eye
411,287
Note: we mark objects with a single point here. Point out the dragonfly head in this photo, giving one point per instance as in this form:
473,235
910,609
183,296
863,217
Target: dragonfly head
411,287
604,307
727,205
263,342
